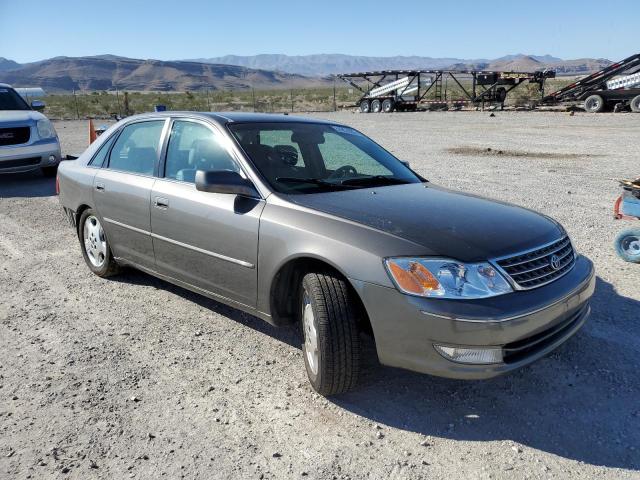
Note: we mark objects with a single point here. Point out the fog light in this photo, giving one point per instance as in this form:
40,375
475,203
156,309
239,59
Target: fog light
476,356
52,159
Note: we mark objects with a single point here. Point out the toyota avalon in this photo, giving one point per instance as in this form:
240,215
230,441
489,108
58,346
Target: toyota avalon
298,220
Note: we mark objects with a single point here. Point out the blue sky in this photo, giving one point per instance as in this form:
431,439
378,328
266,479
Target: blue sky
34,30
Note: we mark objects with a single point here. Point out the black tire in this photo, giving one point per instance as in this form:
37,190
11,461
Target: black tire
635,104
337,347
49,172
365,106
628,245
388,105
108,267
594,104
376,106
501,94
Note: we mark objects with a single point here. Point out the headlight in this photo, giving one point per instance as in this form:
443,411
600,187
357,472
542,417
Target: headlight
445,278
45,129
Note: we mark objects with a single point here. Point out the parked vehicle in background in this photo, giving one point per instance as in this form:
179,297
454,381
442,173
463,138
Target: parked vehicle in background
302,220
28,140
616,87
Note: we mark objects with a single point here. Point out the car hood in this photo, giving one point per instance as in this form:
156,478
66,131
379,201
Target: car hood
446,223
13,116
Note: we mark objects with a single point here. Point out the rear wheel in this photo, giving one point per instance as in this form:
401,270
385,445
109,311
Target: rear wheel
635,104
95,248
501,94
388,105
376,106
365,106
628,245
594,104
331,346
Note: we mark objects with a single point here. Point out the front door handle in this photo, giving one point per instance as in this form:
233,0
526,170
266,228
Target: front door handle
100,186
162,202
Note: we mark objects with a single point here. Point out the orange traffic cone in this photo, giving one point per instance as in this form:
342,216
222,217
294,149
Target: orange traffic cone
92,132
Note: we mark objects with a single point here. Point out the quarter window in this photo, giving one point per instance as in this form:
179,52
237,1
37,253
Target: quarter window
136,149
99,158
193,147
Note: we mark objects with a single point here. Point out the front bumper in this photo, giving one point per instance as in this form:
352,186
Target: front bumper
527,325
31,156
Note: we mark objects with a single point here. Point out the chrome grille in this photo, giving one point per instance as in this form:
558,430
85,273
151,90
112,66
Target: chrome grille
538,267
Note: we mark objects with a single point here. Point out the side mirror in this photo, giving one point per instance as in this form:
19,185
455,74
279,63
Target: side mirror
405,163
224,181
38,105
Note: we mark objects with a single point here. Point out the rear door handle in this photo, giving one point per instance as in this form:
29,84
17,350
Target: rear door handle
100,186
162,202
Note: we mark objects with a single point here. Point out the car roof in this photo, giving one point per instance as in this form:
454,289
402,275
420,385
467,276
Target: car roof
224,118
5,85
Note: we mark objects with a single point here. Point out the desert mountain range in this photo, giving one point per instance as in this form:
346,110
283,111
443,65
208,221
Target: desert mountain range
110,72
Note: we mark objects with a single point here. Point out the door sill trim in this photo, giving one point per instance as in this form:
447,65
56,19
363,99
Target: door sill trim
206,293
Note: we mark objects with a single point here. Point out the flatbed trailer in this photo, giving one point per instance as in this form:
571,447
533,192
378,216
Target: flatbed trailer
604,90
406,90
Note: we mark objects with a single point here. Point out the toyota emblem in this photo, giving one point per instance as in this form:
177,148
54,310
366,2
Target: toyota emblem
555,262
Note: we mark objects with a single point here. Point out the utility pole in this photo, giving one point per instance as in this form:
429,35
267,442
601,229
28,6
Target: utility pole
253,97
208,104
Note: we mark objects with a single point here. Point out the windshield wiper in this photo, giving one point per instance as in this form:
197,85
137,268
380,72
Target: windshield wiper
374,180
313,181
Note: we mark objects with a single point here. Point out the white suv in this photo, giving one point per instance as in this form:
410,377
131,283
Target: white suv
28,140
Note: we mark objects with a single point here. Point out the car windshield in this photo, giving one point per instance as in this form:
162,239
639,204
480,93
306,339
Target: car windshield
11,100
297,157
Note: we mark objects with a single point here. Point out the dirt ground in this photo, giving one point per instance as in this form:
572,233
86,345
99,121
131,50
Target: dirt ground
132,377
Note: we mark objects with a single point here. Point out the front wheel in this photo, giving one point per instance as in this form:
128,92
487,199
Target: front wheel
331,346
628,245
95,248
635,104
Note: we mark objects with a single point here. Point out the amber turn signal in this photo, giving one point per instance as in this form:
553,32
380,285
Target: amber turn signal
413,278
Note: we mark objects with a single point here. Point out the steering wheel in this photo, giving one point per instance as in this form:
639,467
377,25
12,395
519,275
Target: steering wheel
344,171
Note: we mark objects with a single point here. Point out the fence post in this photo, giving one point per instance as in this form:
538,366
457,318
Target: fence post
126,104
118,102
75,100
253,97
292,100
335,107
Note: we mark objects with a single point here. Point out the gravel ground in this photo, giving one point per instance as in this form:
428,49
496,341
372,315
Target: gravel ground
133,377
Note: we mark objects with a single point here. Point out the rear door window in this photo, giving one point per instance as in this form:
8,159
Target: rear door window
136,149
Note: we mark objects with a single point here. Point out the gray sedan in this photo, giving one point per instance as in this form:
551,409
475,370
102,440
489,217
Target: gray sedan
301,220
